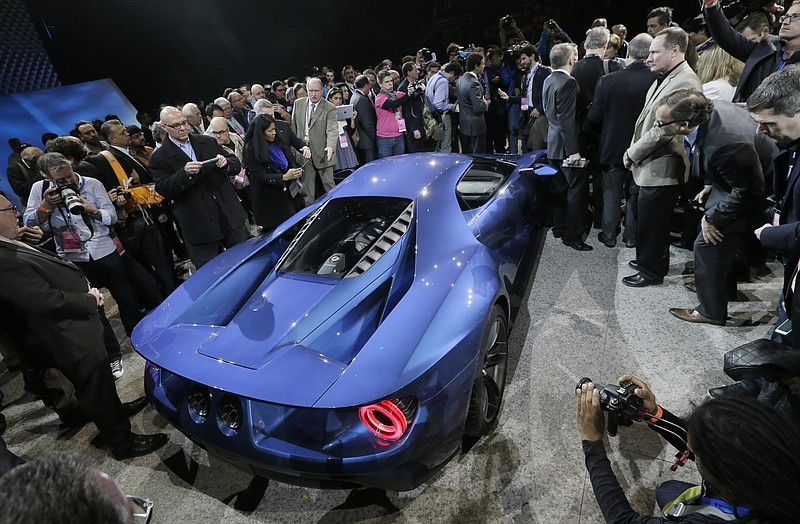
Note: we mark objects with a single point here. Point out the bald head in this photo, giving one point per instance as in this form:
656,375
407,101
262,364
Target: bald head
192,114
174,124
314,88
258,92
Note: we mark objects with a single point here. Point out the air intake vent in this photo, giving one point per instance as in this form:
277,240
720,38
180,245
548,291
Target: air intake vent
389,238
309,220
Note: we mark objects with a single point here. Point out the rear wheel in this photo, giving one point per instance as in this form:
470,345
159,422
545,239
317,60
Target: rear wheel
487,390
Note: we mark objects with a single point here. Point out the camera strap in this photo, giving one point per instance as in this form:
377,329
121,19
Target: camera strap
694,500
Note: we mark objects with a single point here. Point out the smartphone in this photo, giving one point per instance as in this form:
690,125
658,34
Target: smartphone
583,162
785,328
210,161
306,162
696,203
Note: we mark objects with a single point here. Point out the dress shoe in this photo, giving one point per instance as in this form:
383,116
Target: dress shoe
691,287
633,265
680,244
630,243
608,242
691,315
134,407
641,280
556,234
578,245
137,445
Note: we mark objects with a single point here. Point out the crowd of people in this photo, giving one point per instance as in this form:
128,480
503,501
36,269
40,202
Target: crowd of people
703,115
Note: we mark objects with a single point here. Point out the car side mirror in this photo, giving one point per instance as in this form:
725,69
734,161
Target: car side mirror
539,170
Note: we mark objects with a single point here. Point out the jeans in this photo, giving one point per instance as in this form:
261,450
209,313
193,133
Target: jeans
391,146
445,145
514,117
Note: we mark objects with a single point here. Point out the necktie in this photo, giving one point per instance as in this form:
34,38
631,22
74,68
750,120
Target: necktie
310,116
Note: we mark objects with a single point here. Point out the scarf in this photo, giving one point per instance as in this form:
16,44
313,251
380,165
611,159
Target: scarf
277,157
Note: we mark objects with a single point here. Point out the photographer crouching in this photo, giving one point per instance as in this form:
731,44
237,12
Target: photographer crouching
747,454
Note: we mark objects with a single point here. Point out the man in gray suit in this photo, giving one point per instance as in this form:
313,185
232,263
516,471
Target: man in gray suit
366,121
472,104
658,160
314,120
570,185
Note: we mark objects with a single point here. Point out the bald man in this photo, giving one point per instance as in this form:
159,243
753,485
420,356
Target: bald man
192,171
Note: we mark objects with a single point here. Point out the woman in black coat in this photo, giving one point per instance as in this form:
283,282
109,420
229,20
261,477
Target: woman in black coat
273,174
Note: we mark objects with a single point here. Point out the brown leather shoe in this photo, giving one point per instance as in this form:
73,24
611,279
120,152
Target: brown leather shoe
691,315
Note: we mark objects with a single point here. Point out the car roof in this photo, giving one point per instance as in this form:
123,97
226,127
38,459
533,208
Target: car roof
406,176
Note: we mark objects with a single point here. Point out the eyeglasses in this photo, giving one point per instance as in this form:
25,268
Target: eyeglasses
281,89
142,509
218,133
794,17
13,209
663,124
179,125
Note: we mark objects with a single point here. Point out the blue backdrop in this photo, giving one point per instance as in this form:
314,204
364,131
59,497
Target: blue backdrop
28,116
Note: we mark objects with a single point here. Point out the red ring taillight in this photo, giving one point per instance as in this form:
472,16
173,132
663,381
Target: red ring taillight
387,419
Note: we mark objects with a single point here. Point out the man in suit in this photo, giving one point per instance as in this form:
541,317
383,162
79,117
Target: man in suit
238,110
366,121
472,104
204,202
762,58
23,173
618,100
588,71
728,156
58,311
659,162
775,106
413,117
136,229
570,185
314,121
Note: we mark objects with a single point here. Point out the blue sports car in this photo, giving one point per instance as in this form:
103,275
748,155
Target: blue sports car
362,339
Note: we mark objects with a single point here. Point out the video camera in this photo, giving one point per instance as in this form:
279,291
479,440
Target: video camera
427,55
69,194
507,21
740,8
622,404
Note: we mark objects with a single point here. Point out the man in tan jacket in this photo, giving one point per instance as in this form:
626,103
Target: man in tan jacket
658,160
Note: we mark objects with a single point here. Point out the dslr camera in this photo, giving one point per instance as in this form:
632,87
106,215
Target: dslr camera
507,21
622,404
69,194
126,194
413,86
741,8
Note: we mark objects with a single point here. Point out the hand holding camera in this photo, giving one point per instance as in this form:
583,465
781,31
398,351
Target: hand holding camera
625,404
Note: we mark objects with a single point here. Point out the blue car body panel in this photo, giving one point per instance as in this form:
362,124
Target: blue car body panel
301,352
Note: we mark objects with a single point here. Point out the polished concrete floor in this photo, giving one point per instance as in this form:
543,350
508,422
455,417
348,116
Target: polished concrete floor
576,320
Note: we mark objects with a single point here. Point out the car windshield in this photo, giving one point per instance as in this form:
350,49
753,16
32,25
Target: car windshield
340,234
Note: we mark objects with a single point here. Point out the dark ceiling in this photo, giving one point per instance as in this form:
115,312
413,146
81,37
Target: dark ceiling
180,50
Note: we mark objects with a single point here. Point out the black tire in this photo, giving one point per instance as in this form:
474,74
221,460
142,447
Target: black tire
490,382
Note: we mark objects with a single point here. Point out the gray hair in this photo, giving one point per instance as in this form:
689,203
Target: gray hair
596,38
57,483
187,107
639,46
108,127
560,55
157,131
222,102
260,105
52,161
779,91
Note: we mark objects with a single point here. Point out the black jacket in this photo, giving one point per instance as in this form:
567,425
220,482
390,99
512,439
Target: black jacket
269,194
618,100
366,121
106,173
760,58
201,201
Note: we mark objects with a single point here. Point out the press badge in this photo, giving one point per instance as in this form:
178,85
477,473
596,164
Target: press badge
70,240
343,140
525,106
401,125
239,178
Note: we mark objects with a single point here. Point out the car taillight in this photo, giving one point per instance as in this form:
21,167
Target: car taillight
388,419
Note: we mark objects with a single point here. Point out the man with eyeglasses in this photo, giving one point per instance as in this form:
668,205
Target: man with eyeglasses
730,159
772,53
191,170
658,162
53,306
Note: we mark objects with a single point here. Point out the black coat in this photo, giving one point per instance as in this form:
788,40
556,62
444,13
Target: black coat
366,121
618,100
760,58
49,298
21,178
733,159
106,173
787,185
269,194
201,201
